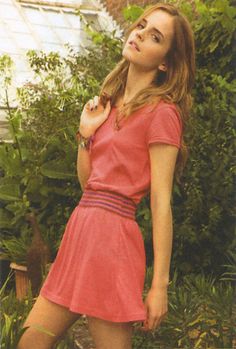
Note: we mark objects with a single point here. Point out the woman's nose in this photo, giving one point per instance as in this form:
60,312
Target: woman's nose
140,35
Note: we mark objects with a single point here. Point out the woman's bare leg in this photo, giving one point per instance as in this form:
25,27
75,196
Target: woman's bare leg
50,316
107,334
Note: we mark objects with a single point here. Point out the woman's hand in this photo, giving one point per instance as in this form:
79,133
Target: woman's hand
156,304
95,112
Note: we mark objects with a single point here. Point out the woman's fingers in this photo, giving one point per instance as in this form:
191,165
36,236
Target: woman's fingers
89,104
151,323
96,101
93,103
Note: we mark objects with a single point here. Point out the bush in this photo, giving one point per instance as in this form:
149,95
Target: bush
201,314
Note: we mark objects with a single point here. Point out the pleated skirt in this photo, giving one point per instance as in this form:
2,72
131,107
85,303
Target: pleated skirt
100,266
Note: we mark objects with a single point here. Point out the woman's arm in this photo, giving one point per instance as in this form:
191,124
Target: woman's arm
162,161
83,166
94,113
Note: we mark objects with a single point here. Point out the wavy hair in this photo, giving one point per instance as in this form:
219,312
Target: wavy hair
173,85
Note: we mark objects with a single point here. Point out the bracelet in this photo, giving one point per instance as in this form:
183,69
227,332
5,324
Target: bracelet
83,142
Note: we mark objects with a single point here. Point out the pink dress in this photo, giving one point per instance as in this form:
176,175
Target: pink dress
100,266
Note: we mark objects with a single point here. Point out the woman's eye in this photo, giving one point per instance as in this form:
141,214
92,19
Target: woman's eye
156,38
138,25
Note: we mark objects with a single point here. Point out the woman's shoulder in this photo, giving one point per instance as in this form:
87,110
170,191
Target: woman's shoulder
165,104
166,109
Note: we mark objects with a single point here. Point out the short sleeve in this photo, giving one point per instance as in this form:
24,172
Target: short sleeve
165,126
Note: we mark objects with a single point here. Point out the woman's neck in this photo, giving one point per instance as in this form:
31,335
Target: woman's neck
136,81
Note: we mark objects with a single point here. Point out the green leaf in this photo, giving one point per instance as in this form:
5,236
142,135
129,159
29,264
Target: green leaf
5,218
7,323
54,169
132,12
10,192
43,329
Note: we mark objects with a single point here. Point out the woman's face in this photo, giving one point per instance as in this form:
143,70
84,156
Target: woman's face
152,39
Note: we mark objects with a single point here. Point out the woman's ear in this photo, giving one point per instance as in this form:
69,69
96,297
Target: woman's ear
162,67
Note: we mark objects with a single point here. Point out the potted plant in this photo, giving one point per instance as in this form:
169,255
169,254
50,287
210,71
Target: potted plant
30,257
14,249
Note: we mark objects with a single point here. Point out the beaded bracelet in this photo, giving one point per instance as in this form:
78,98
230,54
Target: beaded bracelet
83,142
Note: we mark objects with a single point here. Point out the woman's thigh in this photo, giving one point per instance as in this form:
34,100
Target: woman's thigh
49,316
107,334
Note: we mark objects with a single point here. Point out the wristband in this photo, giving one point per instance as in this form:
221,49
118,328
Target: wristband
83,142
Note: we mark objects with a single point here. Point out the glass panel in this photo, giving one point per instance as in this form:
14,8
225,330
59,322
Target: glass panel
69,2
21,63
3,31
8,46
8,11
17,26
45,33
73,19
68,36
47,47
4,2
25,41
34,15
56,19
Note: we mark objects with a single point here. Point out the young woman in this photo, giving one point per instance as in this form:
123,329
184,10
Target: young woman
130,143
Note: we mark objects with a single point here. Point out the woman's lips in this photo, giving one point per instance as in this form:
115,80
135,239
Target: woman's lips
133,44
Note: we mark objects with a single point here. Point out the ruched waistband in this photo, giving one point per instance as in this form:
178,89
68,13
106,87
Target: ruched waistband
109,200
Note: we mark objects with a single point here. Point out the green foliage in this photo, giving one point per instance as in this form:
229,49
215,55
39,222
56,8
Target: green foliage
31,179
230,273
14,248
201,314
39,169
6,65
12,317
214,32
204,210
132,12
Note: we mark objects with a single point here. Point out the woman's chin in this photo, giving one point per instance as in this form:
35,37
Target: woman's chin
128,56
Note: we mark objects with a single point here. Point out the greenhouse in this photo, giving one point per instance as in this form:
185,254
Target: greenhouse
48,25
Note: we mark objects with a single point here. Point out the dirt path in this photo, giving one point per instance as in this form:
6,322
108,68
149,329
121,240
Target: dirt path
83,339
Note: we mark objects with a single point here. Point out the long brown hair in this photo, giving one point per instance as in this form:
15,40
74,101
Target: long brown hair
173,86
